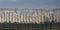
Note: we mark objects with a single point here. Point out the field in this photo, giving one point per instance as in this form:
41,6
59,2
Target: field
16,26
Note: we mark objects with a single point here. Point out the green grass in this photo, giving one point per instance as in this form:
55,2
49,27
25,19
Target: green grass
30,27
36,28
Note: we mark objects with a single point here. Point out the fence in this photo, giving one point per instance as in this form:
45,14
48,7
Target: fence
30,19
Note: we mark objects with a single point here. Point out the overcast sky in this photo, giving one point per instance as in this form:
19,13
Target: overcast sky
29,3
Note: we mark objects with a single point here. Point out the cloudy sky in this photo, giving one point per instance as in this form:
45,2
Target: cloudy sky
29,3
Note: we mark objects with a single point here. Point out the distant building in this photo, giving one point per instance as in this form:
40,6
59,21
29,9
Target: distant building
28,16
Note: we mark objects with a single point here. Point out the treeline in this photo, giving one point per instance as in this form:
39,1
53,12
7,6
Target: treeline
29,25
